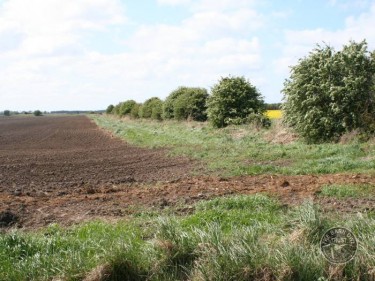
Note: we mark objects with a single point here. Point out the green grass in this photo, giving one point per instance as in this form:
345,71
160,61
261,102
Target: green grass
66,253
238,211
348,190
256,239
242,150
252,237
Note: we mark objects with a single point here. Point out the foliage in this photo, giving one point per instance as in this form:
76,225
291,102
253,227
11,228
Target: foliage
126,107
186,103
191,104
6,112
232,100
110,109
134,112
117,108
330,93
273,106
37,113
152,108
168,106
122,108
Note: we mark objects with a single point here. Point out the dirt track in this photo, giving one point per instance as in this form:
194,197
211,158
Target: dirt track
66,169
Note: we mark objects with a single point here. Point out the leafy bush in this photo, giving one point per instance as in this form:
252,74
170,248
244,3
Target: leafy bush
330,93
6,112
37,113
117,108
135,111
109,109
233,99
126,107
168,107
186,102
152,108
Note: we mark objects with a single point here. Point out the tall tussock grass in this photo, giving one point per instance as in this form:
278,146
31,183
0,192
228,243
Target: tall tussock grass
278,243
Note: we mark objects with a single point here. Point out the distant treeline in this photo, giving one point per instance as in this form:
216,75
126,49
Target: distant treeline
77,111
38,112
233,101
273,106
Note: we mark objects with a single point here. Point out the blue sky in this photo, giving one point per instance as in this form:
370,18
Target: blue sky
87,54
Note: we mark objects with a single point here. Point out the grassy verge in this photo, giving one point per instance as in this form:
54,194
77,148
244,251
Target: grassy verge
233,238
242,150
348,190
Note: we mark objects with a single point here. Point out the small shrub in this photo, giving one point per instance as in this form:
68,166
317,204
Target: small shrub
126,107
191,104
152,108
109,109
168,106
37,113
232,100
117,108
135,111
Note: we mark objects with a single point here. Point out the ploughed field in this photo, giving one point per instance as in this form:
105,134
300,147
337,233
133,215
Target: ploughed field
65,169
47,158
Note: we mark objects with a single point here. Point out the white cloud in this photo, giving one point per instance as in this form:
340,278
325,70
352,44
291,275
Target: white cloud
49,64
348,4
47,25
173,2
298,43
208,44
223,5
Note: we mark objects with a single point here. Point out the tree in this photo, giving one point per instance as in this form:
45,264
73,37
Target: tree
109,109
37,113
330,93
6,112
152,108
233,101
186,102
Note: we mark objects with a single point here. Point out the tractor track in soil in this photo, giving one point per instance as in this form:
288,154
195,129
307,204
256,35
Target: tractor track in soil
65,169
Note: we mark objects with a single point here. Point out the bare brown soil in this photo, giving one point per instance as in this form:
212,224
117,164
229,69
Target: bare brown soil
67,170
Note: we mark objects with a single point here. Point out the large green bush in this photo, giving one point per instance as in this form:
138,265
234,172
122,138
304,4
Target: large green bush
6,112
186,103
233,101
152,108
330,93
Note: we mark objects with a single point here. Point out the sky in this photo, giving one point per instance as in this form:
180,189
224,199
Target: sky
87,54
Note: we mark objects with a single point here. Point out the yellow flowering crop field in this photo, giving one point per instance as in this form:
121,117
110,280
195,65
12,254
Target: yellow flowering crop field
274,114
